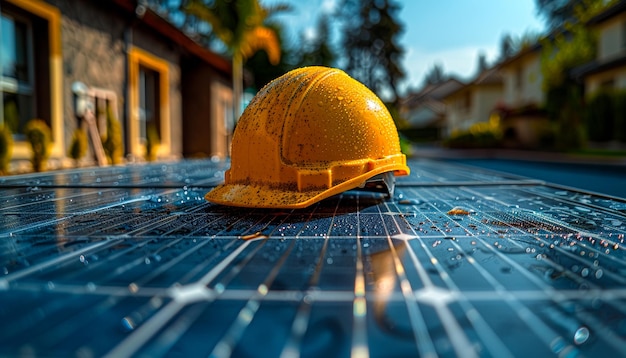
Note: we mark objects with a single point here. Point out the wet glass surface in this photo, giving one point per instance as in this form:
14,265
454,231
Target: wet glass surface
133,261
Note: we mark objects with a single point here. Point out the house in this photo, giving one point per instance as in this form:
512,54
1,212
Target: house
522,78
474,102
123,59
608,69
425,112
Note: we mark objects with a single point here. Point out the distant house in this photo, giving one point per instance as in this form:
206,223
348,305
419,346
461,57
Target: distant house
425,111
127,60
522,78
608,70
474,102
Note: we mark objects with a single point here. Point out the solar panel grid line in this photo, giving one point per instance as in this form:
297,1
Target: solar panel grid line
301,320
578,236
424,342
226,345
523,313
13,276
496,348
555,295
181,298
460,342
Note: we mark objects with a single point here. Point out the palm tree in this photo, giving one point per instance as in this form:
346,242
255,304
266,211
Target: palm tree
240,26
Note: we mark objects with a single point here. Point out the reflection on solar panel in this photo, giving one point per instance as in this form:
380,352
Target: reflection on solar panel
132,261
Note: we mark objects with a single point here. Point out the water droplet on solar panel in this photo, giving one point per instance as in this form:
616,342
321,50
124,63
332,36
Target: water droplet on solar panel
562,193
581,335
128,324
91,286
584,272
50,285
329,261
147,261
5,270
599,274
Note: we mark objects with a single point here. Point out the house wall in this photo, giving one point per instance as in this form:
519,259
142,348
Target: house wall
462,114
486,100
457,111
207,103
616,78
523,81
94,37
612,37
611,45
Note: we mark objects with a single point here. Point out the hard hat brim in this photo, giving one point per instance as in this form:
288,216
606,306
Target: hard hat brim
259,196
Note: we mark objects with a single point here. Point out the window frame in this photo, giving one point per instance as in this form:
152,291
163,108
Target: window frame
52,15
15,85
139,58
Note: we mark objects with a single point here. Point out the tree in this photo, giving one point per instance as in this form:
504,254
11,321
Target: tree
318,51
260,67
572,46
370,42
559,12
240,26
435,75
507,46
482,62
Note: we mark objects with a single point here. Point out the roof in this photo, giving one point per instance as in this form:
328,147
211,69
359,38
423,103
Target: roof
597,66
488,77
432,92
167,29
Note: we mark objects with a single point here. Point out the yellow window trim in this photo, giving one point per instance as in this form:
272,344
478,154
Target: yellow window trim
53,16
137,57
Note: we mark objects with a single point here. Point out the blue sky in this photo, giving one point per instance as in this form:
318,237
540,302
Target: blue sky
449,32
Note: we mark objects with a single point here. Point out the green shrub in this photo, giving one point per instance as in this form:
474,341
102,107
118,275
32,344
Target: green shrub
479,135
78,145
600,115
113,143
39,136
6,149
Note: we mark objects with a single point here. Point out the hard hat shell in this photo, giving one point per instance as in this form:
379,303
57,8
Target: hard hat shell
307,135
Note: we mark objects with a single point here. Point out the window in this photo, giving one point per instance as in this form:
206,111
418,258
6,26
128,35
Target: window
17,72
31,71
149,107
149,102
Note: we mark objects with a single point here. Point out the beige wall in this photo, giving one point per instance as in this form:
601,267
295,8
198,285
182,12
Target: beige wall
482,101
523,81
594,82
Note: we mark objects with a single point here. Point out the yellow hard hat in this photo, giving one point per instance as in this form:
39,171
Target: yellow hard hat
307,135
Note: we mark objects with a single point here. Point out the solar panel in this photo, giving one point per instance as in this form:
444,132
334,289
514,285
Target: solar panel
465,262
